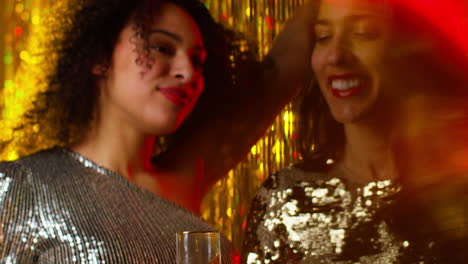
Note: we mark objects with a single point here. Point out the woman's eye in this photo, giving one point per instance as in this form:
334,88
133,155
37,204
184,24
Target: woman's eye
322,35
163,49
367,30
367,35
320,38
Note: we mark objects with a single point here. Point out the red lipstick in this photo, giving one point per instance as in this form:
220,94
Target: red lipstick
176,95
344,94
346,85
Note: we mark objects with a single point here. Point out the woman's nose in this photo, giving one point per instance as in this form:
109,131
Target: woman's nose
183,68
338,52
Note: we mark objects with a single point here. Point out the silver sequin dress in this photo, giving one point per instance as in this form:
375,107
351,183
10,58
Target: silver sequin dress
56,206
311,217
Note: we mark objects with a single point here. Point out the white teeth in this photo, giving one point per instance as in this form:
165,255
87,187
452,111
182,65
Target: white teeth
344,85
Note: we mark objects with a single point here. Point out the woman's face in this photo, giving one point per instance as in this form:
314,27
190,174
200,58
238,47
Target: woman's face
154,91
351,58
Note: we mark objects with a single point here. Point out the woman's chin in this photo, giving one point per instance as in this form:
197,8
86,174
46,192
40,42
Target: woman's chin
164,127
353,114
346,118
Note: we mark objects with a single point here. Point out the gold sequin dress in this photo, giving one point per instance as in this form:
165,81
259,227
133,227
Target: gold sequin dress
57,206
312,217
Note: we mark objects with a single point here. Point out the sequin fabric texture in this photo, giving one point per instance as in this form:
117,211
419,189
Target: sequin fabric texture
59,207
302,217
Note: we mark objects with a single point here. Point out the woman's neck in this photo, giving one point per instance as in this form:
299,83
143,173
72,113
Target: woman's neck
367,153
117,148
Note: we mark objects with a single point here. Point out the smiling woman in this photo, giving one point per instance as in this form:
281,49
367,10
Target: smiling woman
352,200
349,58
154,96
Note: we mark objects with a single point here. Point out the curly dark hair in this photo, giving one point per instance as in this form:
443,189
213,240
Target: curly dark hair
84,34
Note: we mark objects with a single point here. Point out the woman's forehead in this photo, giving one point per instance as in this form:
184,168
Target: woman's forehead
370,5
350,10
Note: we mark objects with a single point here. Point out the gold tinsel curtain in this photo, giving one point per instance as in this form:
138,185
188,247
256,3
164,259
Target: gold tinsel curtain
259,20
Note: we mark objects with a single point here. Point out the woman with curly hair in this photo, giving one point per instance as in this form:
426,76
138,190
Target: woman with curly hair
126,72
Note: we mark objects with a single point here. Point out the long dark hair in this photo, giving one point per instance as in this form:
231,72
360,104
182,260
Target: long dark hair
321,137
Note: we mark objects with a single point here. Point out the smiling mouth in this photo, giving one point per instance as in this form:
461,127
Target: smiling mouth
344,86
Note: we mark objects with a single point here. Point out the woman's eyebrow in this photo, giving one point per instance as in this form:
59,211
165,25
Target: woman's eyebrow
354,18
167,33
175,37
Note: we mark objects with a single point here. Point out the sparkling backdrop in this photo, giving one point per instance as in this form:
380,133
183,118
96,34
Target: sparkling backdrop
259,20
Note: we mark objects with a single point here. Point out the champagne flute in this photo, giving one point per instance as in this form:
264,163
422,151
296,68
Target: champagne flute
196,247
